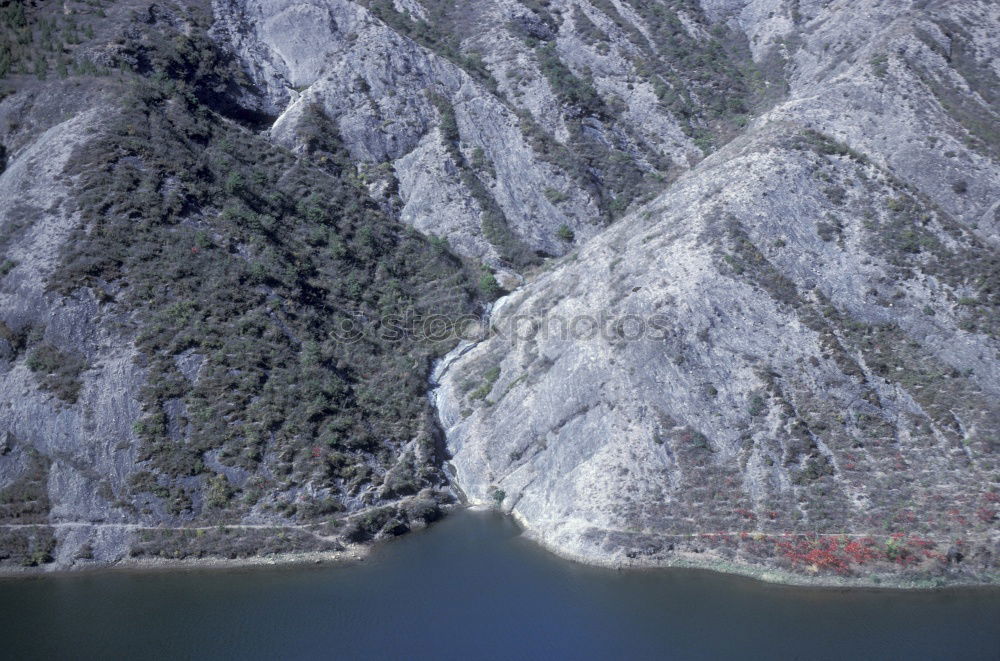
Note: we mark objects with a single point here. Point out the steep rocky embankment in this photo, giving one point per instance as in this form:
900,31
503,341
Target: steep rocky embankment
790,358
227,226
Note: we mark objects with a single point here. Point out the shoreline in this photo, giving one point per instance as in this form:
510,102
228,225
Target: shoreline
350,555
777,577
683,561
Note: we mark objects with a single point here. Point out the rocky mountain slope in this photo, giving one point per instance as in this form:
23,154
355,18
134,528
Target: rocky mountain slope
797,341
228,227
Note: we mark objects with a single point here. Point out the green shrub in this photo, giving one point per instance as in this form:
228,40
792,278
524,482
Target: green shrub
219,492
587,29
481,163
830,228
57,371
26,499
572,90
555,196
816,466
489,378
488,286
880,65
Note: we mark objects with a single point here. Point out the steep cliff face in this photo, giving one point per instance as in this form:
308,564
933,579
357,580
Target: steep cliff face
754,247
798,338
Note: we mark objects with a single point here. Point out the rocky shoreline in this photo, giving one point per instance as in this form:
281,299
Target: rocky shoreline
343,554
683,560
706,561
347,556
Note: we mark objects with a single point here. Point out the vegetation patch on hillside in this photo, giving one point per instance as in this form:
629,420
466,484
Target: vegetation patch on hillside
57,371
26,499
276,267
42,39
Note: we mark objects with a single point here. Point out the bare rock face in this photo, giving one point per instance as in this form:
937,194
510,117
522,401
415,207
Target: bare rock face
58,461
503,122
389,97
798,338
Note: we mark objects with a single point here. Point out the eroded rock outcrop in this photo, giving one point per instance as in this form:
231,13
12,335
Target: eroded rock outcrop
798,338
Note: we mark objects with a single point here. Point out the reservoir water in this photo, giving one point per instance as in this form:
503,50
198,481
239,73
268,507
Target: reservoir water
472,588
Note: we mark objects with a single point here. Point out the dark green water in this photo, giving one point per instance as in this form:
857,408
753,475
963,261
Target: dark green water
471,588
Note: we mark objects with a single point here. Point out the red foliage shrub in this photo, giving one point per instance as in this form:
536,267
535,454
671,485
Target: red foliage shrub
862,550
